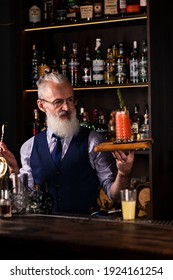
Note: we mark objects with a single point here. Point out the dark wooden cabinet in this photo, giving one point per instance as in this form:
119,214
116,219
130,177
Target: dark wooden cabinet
156,28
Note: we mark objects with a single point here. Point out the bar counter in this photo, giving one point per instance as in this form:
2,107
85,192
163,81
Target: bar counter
84,237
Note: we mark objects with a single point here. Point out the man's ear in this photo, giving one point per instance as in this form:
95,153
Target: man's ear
40,106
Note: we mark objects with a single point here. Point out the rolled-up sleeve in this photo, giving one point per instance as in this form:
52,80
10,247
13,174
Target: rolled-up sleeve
103,162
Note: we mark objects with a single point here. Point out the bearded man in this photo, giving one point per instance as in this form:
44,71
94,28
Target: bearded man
74,180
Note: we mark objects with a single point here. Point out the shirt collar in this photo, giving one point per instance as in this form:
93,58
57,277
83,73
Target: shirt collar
50,135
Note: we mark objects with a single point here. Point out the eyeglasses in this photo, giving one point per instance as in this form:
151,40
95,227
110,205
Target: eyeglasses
71,101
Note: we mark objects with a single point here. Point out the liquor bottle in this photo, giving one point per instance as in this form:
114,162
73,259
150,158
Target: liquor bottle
134,64
143,6
133,6
74,69
144,129
98,121
84,118
114,55
43,65
98,64
110,8
73,10
80,114
5,204
63,61
110,136
122,7
143,63
5,199
114,51
86,9
54,66
86,69
109,71
44,124
120,65
36,127
94,118
48,11
136,122
34,67
100,125
35,13
97,9
61,11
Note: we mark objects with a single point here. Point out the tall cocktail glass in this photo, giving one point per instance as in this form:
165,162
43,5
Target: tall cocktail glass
123,126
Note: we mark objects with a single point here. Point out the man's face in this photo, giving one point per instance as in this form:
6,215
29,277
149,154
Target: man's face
58,99
59,105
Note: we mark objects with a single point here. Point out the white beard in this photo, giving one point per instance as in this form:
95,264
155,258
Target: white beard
63,127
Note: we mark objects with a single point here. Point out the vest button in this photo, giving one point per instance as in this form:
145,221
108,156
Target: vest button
58,186
58,172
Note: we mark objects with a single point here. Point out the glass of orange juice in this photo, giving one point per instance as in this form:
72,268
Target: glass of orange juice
128,204
123,126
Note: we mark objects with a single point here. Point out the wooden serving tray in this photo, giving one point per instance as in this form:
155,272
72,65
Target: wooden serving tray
113,146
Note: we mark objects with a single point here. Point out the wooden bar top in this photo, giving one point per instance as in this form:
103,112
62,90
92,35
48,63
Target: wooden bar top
68,237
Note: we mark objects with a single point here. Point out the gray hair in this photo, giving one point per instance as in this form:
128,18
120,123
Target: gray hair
42,82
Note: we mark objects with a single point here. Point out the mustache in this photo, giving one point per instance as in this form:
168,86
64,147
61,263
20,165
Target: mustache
64,113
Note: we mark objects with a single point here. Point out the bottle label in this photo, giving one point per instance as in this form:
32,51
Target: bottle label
63,63
97,77
134,71
120,68
133,9
86,11
34,14
34,74
109,75
143,71
63,66
73,10
74,65
111,7
87,77
143,3
98,65
61,14
48,10
122,4
97,9
74,73
135,128
98,69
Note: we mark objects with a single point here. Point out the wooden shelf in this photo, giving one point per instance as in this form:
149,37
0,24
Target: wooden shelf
101,87
87,23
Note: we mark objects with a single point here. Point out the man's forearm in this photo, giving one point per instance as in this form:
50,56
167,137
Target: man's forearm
122,181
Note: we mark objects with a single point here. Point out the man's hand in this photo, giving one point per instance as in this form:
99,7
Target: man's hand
10,159
124,162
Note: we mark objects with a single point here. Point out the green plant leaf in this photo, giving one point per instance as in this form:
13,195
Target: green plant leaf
121,101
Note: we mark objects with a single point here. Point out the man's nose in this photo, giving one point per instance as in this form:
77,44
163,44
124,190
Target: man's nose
65,106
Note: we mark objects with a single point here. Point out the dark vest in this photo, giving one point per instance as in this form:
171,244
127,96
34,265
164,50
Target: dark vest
74,184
